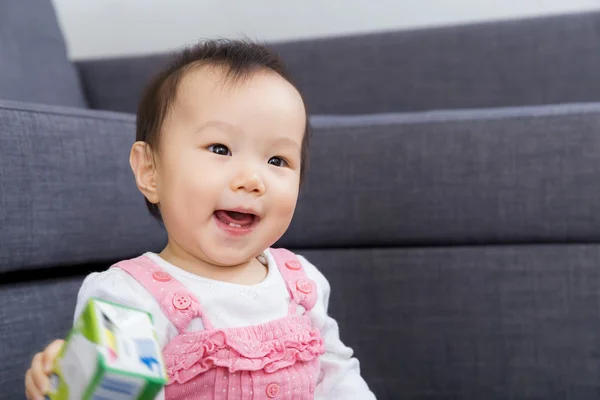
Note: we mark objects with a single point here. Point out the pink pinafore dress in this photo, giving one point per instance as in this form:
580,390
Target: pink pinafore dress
275,360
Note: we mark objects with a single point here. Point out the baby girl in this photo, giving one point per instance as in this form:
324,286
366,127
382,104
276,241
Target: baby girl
221,148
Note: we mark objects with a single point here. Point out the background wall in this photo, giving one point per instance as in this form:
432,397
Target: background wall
100,28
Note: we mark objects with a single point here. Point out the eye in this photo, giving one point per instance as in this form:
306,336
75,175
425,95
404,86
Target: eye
278,162
219,149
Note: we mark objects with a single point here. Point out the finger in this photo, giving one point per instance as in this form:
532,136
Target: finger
36,362
50,354
31,390
38,376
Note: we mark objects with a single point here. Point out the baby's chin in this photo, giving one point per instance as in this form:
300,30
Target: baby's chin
231,257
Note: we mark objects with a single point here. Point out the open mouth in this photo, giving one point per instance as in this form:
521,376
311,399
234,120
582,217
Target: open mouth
236,219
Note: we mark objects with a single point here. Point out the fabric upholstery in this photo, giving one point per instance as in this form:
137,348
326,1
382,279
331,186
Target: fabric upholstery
543,60
117,84
473,322
492,176
68,193
458,177
33,58
31,315
492,64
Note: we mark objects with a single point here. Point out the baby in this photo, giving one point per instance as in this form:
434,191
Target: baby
222,144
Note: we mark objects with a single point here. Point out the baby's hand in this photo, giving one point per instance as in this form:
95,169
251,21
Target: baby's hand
36,379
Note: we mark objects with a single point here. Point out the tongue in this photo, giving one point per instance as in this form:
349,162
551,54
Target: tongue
235,217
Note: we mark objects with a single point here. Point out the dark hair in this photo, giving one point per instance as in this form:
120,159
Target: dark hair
242,58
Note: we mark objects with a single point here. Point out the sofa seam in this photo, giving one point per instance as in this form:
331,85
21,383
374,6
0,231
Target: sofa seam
127,118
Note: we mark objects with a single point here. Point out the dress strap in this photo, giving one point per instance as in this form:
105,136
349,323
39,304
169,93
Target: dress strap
303,291
177,302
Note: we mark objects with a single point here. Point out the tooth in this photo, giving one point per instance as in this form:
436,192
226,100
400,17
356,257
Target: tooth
235,225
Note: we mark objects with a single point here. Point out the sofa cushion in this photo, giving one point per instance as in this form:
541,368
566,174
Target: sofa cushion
487,176
33,60
68,193
117,84
512,175
473,322
31,315
541,60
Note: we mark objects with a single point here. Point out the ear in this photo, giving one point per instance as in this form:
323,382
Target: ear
142,165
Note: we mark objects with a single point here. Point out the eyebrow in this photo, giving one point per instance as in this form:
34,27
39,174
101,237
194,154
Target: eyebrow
221,125
227,126
285,141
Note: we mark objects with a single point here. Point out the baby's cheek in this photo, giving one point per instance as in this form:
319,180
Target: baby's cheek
284,212
289,199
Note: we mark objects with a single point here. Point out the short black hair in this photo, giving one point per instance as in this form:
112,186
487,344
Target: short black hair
241,58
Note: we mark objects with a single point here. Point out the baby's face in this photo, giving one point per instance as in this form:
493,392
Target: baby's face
228,168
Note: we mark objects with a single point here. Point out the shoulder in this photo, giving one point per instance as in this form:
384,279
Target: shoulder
312,272
114,285
113,280
318,313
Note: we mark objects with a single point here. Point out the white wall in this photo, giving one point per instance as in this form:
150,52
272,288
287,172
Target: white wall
98,28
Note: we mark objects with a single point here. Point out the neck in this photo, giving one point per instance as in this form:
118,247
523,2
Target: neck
248,272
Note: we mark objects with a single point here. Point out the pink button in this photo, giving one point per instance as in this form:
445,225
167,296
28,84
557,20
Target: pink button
182,301
273,390
304,286
161,276
293,265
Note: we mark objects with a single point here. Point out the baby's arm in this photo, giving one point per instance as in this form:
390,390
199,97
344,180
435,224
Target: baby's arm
340,373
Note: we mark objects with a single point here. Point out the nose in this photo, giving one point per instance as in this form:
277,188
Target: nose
248,181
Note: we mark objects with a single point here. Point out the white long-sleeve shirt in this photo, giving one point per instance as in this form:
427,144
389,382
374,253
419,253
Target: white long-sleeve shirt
229,305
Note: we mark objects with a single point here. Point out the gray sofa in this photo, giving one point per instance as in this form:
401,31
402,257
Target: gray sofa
452,198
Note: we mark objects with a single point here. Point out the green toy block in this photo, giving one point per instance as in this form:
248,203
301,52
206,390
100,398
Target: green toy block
110,354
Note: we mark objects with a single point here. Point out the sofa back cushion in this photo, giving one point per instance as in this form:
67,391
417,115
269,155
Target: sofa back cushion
33,60
543,60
